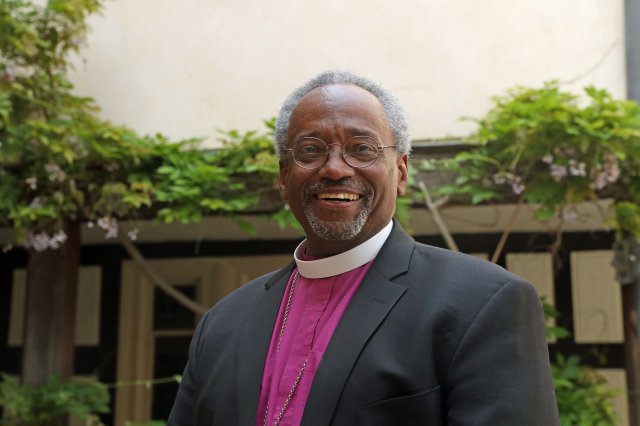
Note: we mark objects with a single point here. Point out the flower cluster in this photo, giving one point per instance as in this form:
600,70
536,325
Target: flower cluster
133,234
56,174
32,182
43,241
517,186
605,173
109,224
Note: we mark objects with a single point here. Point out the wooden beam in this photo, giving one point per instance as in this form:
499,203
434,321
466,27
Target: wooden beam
631,349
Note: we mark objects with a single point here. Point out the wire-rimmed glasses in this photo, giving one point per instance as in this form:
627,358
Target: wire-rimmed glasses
358,151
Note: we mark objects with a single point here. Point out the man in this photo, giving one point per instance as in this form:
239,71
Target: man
365,326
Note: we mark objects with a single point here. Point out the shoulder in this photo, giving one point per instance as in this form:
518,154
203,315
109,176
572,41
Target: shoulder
436,271
460,281
455,266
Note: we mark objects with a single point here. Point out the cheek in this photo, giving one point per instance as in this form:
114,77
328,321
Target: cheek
292,187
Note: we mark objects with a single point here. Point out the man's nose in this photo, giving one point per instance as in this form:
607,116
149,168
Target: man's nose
335,167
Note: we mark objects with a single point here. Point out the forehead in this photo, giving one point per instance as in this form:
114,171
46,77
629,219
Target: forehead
338,107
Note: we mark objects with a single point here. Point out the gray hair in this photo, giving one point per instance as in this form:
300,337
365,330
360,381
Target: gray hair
395,115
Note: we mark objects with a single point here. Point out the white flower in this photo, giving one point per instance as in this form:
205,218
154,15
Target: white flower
42,241
39,242
499,178
133,234
110,225
609,172
55,172
58,239
600,181
517,188
32,182
547,158
558,172
577,169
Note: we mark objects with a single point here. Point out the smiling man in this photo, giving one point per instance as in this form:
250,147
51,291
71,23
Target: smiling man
365,326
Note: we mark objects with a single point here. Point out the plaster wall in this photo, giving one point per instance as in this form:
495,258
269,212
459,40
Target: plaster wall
191,67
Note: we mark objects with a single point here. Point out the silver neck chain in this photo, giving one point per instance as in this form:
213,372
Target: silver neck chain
304,365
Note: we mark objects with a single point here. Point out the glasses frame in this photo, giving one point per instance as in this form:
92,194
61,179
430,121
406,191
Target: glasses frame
345,157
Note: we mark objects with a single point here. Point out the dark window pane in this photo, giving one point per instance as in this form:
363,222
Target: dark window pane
169,314
171,357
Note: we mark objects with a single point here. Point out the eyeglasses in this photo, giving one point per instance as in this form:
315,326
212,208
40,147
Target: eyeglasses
358,151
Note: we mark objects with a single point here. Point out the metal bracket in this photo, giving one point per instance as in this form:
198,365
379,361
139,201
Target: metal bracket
626,260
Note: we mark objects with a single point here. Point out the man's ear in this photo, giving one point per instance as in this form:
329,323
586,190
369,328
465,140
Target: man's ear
403,173
282,179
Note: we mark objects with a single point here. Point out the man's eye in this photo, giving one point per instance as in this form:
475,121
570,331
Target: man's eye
365,147
362,149
308,149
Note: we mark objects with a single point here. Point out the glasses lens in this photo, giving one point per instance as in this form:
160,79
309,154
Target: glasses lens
361,151
310,152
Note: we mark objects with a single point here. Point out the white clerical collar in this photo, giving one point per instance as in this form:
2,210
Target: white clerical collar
343,262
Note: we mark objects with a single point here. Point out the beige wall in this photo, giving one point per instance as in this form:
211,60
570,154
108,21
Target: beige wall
186,68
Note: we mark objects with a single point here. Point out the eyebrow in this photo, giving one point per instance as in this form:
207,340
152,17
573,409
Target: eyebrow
349,132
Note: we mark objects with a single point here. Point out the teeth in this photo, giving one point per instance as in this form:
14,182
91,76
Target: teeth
341,196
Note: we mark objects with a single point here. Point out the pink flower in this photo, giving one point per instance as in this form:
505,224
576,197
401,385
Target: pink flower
577,169
32,182
110,225
558,172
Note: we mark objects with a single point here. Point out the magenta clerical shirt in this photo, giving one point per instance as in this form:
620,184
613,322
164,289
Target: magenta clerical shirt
316,308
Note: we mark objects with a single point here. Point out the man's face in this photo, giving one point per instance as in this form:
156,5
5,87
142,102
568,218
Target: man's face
340,206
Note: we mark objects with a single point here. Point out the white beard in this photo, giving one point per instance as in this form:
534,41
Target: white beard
333,230
338,230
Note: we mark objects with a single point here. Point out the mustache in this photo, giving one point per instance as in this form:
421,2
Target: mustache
344,183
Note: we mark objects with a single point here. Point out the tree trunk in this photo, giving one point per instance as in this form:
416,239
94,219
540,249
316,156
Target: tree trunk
627,263
52,281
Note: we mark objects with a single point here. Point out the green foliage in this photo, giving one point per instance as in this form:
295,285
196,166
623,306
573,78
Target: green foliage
250,152
555,150
582,395
553,331
59,162
45,405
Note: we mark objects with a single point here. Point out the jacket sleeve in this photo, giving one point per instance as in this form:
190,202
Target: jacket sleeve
182,411
500,372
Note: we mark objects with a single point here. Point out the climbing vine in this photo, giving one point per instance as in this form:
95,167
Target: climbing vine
554,150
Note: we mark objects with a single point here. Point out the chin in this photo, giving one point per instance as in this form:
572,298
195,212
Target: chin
337,231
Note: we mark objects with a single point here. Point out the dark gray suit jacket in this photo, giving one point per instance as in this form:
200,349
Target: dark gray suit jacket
431,337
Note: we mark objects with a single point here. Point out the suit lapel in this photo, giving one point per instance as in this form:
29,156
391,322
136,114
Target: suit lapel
371,304
253,344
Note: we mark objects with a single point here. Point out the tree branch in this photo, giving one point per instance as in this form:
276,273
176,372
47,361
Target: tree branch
156,279
507,231
433,208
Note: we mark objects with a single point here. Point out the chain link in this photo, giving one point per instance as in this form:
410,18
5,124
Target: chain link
304,365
